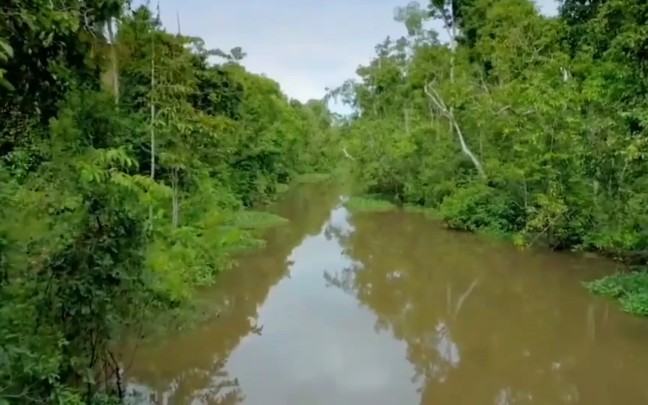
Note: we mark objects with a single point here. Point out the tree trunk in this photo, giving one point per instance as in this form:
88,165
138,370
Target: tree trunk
175,201
113,59
152,102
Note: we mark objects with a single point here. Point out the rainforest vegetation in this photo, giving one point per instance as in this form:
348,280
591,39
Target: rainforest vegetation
130,158
127,154
513,123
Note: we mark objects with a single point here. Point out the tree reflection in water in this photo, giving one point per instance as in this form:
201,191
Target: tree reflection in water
481,323
382,277
218,388
186,376
481,320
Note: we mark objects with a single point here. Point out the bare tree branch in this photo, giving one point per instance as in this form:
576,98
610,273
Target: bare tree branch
347,153
434,97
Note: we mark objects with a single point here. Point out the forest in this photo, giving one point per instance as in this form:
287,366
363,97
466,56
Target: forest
516,125
131,158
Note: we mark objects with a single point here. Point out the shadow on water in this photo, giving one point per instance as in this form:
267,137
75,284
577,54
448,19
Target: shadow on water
390,308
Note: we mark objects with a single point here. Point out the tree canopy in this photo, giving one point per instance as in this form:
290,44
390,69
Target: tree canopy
523,125
126,155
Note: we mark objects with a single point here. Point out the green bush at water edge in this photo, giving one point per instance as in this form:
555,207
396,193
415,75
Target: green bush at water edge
533,128
128,160
631,289
367,204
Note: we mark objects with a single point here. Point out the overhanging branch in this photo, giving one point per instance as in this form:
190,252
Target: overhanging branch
434,97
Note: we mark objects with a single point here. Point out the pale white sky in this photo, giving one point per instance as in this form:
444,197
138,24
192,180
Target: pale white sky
305,45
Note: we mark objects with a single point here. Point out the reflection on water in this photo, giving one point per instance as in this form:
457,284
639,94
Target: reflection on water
391,309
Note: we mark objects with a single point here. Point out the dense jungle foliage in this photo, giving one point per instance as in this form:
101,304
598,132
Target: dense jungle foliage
126,157
522,125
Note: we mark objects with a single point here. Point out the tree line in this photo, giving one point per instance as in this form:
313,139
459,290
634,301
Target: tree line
518,124
126,154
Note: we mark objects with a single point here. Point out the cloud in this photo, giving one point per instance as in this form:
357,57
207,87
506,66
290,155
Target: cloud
306,45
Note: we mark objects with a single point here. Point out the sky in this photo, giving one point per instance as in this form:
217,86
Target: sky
305,45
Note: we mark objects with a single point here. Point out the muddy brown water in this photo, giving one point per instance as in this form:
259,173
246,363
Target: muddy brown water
390,308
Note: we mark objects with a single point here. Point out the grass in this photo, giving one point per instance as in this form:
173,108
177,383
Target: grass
248,241
429,213
368,204
251,220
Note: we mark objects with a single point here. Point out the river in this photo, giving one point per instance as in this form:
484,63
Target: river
390,308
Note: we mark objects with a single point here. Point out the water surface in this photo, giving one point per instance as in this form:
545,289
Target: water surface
390,308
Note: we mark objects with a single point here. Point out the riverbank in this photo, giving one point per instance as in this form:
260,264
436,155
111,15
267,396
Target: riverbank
547,149
242,232
346,306
627,285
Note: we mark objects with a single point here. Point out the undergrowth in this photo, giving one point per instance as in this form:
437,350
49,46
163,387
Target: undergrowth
629,288
368,204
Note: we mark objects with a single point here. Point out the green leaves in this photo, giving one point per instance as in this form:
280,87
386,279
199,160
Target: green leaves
93,244
412,16
630,288
553,107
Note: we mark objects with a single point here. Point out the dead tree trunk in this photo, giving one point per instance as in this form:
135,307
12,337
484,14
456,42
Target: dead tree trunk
444,110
